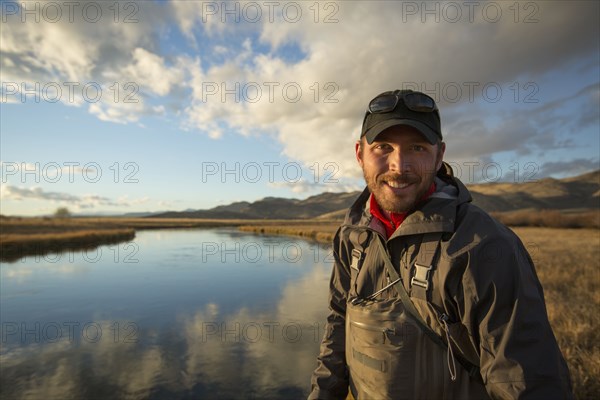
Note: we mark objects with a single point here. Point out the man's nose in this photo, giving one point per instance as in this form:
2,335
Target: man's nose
398,162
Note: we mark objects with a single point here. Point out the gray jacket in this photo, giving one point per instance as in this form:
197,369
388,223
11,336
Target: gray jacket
485,283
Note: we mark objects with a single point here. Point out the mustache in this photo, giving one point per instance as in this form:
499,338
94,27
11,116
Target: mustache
400,178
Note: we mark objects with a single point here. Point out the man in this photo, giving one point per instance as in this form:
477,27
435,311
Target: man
418,267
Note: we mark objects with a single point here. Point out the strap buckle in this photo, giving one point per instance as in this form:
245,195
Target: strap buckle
421,277
356,258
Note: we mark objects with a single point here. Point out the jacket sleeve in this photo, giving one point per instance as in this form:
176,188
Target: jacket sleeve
330,379
519,355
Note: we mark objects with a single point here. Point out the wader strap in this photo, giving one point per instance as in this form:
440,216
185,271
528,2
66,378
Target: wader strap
358,240
370,362
424,264
472,369
408,304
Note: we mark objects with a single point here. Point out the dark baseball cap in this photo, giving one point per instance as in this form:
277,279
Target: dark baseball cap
402,107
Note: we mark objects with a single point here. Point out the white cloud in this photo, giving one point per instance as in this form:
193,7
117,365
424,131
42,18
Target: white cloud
358,61
367,47
120,113
74,53
9,192
149,70
87,201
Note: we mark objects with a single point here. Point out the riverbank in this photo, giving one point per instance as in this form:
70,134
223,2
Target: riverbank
21,237
15,246
322,232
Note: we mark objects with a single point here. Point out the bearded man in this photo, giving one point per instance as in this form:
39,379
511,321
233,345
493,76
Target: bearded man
430,297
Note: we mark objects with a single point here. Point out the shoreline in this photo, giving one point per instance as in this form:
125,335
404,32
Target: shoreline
16,247
319,233
22,237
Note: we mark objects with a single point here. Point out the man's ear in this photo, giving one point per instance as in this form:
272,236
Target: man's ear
359,150
440,155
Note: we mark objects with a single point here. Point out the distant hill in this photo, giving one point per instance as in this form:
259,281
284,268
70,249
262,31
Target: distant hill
575,193
580,192
273,208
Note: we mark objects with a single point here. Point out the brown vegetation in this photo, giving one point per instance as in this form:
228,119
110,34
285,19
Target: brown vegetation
567,264
20,237
15,246
550,218
322,231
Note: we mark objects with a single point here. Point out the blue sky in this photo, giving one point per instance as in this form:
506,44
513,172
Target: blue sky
148,106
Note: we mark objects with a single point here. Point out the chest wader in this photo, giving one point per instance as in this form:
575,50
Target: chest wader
391,351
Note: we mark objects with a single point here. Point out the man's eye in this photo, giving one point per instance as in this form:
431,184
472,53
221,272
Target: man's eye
418,147
382,146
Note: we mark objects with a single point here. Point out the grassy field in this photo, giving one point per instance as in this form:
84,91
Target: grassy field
566,261
567,264
321,231
550,218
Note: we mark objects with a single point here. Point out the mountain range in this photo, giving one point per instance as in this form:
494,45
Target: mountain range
569,194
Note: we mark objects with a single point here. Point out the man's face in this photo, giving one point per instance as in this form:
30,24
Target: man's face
399,167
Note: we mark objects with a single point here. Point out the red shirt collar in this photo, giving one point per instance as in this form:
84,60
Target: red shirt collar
396,218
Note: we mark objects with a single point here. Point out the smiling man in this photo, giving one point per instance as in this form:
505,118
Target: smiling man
430,297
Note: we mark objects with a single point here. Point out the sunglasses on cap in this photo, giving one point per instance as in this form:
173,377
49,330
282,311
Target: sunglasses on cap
414,101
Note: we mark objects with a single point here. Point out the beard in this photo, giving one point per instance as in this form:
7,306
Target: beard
399,203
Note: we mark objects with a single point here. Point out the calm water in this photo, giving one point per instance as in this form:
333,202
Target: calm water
173,314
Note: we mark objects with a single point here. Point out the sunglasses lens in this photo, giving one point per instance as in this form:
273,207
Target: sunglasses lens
419,102
383,104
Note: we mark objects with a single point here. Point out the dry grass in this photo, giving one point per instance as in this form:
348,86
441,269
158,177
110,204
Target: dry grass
567,264
550,218
322,231
15,246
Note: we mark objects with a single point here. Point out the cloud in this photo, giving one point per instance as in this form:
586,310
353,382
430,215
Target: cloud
88,201
10,192
225,76
311,129
113,54
569,168
558,114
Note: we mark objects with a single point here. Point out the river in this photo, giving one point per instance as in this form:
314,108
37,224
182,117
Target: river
211,314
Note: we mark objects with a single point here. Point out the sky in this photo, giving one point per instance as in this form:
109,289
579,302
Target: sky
111,107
